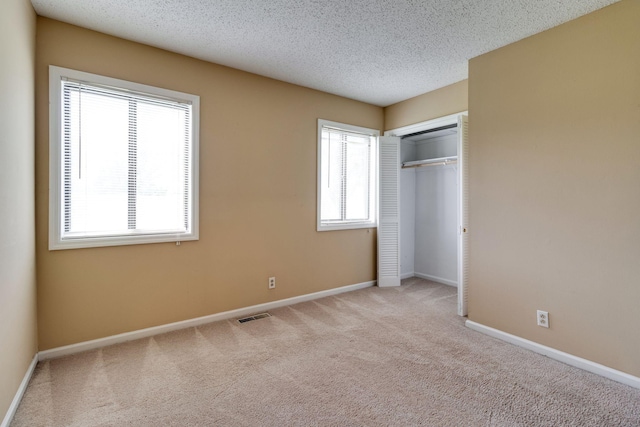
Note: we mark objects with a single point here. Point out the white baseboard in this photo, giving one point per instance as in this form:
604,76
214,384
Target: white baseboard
407,275
21,389
437,279
558,355
155,330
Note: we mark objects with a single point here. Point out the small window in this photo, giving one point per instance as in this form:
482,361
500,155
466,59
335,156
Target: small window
346,176
123,162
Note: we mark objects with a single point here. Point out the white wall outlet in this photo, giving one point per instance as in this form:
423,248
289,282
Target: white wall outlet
272,282
543,318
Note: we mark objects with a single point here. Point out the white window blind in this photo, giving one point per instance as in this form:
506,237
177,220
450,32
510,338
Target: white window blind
125,165
347,184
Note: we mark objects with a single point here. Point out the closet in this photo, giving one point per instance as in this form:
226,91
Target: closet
422,225
429,206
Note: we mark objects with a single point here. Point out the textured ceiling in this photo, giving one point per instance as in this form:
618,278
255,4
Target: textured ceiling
376,51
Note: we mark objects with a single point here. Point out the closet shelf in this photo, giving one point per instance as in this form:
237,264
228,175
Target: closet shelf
440,161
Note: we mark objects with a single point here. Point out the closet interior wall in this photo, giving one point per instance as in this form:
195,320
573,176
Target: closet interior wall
429,209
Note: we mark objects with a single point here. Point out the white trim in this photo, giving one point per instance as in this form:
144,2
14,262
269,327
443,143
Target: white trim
56,241
569,359
19,393
190,323
437,279
407,275
451,119
426,125
347,225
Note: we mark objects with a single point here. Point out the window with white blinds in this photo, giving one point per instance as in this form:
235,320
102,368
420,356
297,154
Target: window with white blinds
123,162
346,176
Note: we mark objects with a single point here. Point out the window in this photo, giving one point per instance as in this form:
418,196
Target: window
123,162
346,176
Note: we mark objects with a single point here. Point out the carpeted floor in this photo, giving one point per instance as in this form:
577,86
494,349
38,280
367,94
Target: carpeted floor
373,357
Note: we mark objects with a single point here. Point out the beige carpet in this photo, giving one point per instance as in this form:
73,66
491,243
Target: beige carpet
374,357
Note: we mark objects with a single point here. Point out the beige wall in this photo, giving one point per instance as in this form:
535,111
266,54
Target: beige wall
257,200
18,337
431,105
554,125
555,187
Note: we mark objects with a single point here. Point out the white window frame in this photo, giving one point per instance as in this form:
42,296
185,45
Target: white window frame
56,195
373,185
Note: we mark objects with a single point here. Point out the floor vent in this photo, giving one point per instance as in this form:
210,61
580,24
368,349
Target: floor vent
254,317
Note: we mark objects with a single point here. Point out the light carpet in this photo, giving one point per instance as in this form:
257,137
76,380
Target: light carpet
373,357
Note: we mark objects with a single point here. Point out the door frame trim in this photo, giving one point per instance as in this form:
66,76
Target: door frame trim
427,125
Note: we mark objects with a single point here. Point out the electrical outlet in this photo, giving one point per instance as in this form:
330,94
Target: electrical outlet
543,318
272,282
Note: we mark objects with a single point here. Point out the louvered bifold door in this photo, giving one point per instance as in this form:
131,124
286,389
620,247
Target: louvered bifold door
463,194
389,211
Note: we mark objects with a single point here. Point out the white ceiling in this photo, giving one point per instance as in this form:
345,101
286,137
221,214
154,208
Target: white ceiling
376,51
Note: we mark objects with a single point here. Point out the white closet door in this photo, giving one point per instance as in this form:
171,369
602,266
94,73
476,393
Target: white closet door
389,211
463,212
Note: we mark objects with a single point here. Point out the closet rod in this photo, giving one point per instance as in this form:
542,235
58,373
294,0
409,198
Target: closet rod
442,161
422,132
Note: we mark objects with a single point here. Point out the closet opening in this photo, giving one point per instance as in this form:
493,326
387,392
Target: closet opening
432,202
428,131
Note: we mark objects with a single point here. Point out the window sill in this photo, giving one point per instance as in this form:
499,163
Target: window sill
96,242
346,226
